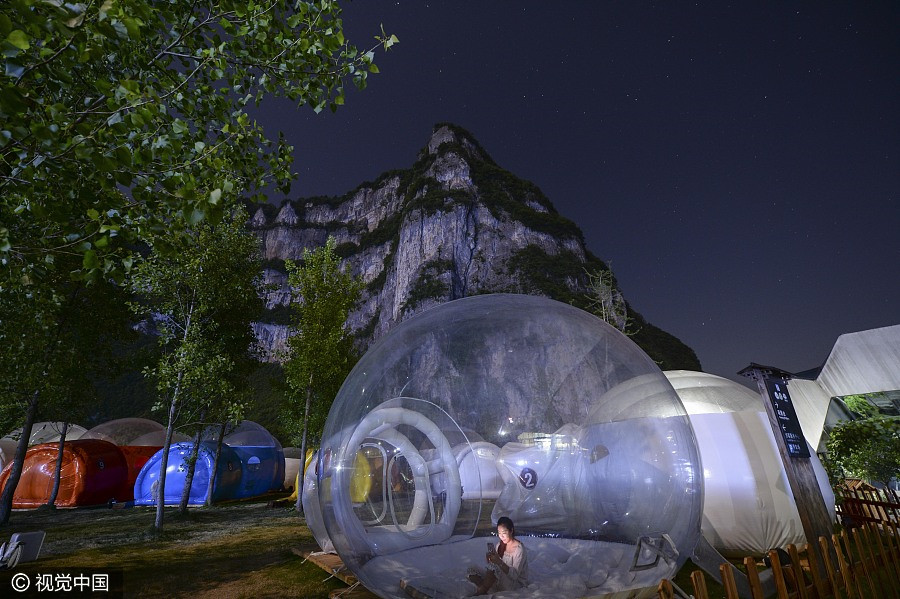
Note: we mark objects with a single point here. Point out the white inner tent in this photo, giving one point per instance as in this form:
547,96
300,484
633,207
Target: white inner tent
7,451
748,505
292,464
129,431
48,432
41,432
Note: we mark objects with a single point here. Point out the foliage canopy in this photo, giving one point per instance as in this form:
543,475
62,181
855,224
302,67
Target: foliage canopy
123,118
867,447
202,300
124,122
321,348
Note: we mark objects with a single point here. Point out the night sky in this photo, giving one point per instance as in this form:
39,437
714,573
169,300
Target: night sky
738,167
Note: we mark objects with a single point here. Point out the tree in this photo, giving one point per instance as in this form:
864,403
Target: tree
57,469
31,327
89,349
51,346
607,302
867,447
210,487
123,118
320,350
203,299
222,409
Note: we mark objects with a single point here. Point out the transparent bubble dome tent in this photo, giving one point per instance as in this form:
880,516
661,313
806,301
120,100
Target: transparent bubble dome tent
518,406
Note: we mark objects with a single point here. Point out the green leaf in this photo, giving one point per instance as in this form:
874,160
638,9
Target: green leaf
133,26
196,216
78,19
19,39
123,177
90,260
5,25
214,196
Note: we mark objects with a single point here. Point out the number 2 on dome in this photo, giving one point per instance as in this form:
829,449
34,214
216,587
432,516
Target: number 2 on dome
528,478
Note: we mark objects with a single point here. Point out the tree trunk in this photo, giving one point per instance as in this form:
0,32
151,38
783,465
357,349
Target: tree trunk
59,460
212,478
6,499
170,429
299,506
164,463
192,465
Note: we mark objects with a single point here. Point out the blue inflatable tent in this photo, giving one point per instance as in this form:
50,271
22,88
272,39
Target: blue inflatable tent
251,464
228,475
262,459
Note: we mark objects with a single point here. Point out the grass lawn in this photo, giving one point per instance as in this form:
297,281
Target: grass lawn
231,550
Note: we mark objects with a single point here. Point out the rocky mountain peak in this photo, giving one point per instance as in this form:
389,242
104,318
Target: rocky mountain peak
453,224
457,137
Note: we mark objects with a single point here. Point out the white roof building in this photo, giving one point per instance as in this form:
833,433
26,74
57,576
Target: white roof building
861,363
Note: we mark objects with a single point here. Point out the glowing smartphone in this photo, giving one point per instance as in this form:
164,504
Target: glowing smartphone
491,548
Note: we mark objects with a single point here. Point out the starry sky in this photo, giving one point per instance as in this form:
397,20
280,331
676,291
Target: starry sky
737,164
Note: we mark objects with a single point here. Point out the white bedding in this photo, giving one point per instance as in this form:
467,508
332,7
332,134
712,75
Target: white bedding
557,568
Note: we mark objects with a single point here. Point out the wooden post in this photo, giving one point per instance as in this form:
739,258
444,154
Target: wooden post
800,474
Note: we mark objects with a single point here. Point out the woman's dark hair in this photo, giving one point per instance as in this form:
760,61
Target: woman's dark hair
507,524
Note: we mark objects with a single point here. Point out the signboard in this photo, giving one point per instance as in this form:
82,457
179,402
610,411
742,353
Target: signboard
787,419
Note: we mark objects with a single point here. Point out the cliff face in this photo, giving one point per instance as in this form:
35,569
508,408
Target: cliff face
453,225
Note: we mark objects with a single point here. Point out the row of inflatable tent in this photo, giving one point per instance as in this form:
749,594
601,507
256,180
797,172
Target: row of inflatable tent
748,507
120,461
99,465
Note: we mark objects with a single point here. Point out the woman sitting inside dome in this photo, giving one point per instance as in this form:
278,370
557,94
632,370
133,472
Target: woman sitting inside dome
507,564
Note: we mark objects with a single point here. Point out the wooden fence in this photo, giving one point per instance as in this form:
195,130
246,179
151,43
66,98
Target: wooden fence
861,563
856,506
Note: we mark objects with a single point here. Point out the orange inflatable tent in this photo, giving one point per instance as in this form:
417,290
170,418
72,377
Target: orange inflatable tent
93,472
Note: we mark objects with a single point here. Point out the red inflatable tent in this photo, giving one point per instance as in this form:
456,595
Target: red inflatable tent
93,472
